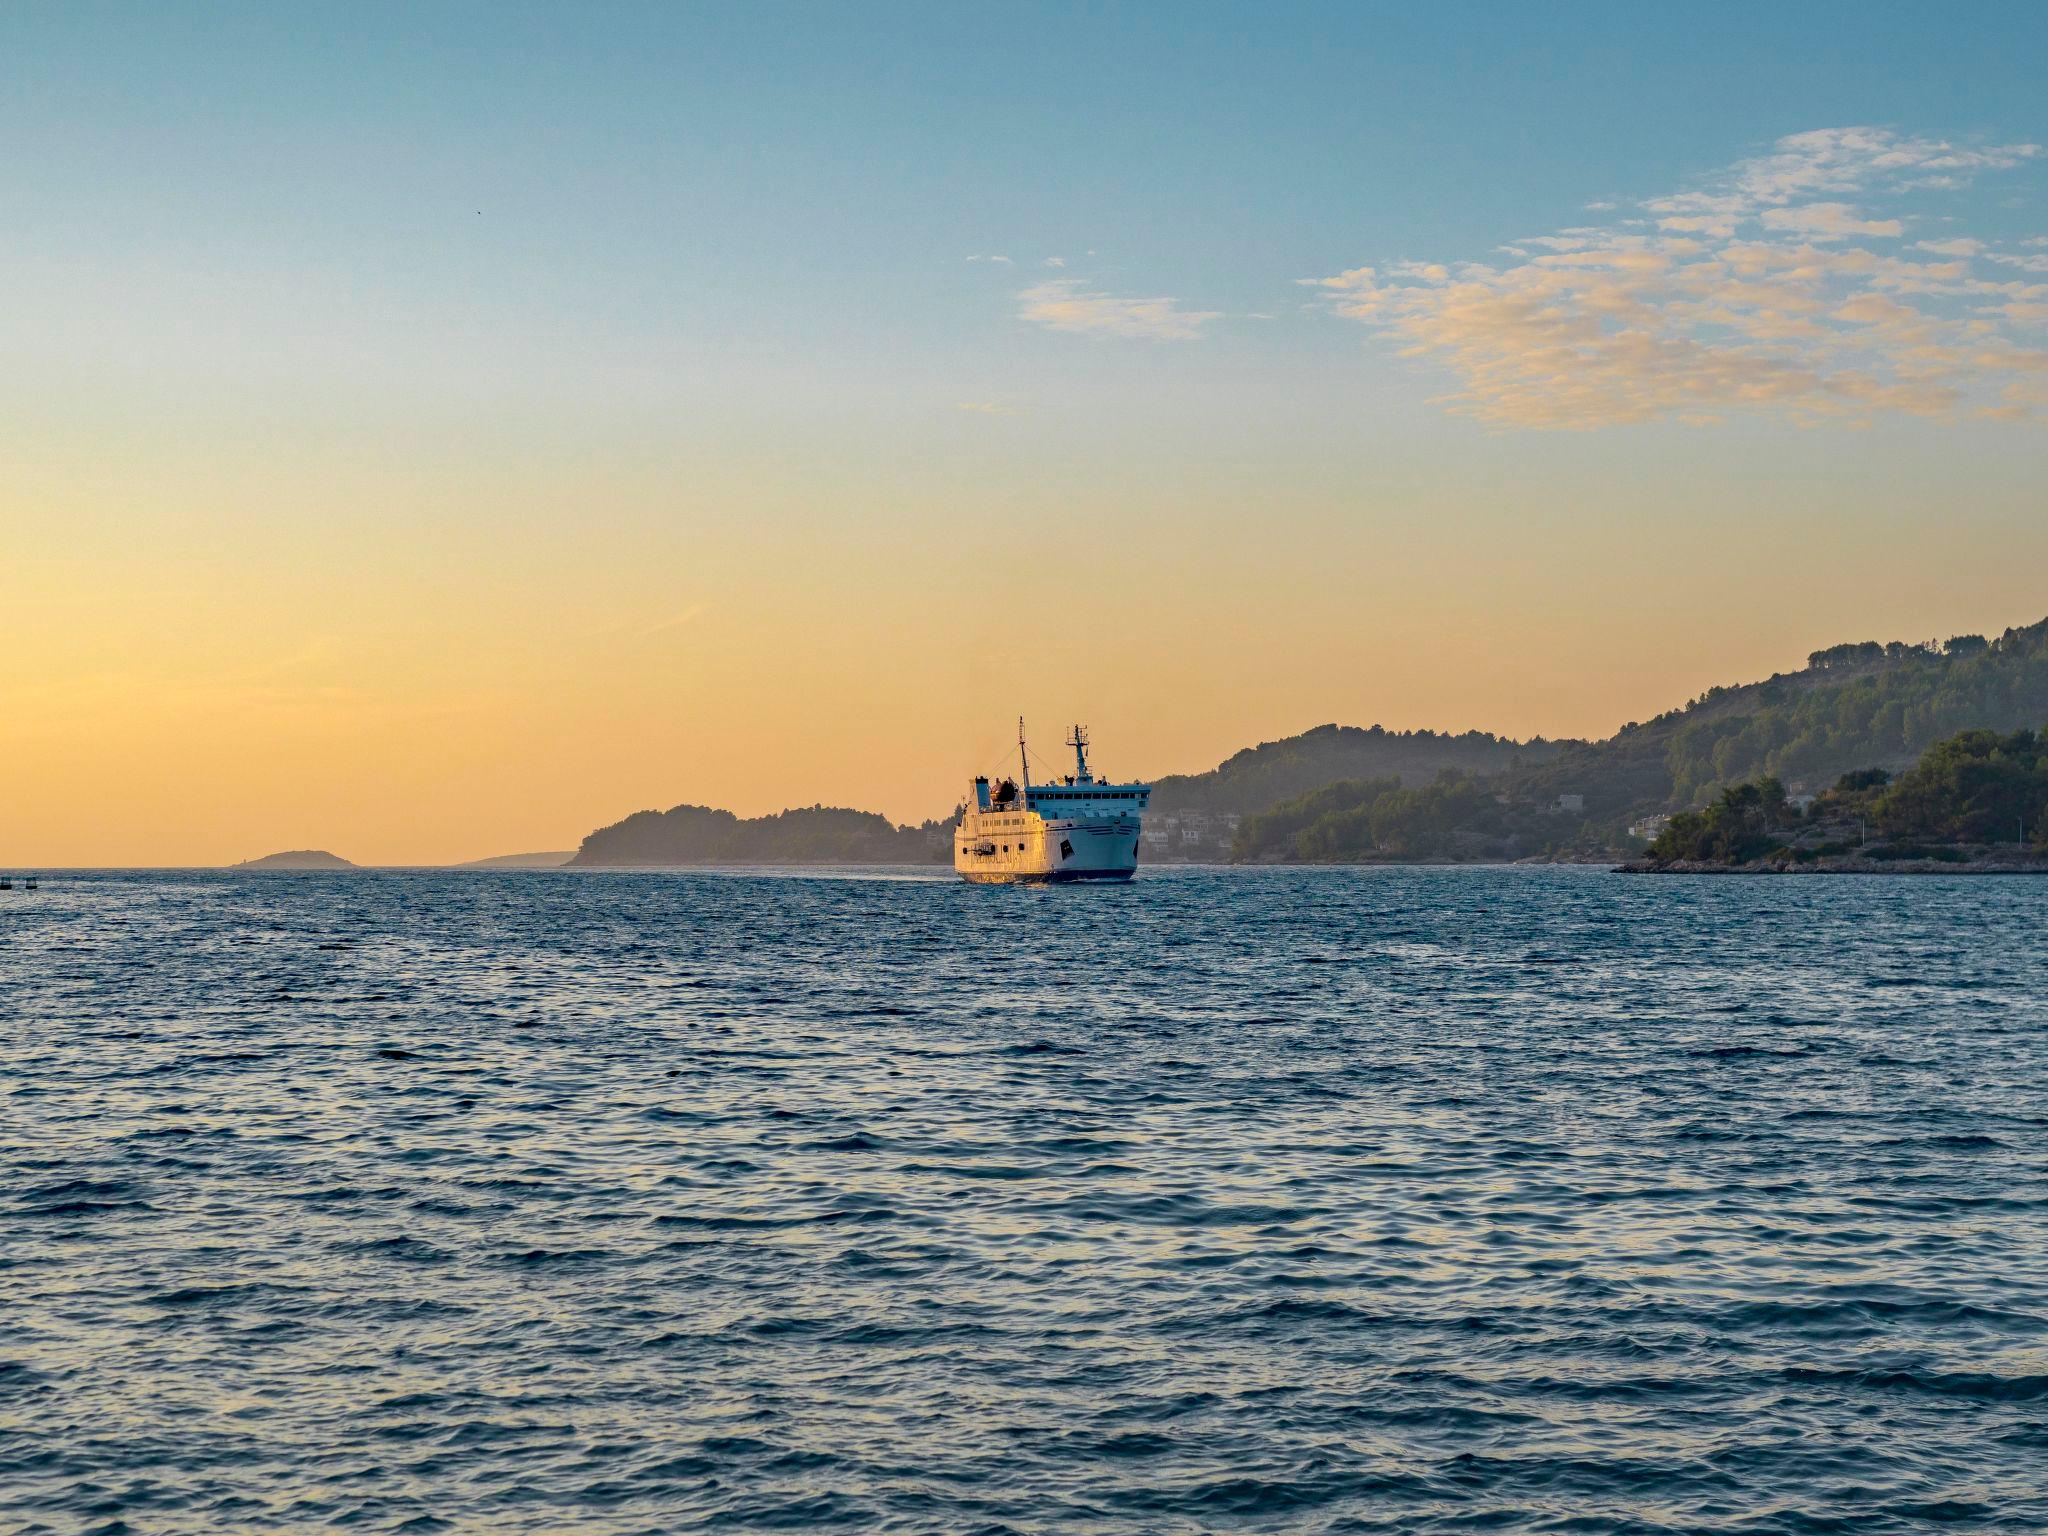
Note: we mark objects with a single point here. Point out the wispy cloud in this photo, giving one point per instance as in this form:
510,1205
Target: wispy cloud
689,615
1765,288
1055,261
1829,221
639,628
1068,304
1001,261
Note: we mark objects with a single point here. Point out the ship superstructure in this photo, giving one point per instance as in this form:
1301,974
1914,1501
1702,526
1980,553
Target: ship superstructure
1076,828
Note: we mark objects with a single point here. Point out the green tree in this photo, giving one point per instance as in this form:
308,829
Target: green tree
1735,829
1976,786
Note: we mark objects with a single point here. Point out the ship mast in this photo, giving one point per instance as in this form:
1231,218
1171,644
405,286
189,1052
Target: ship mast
1078,740
1023,757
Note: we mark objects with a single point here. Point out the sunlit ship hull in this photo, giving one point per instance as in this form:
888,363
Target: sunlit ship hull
1045,850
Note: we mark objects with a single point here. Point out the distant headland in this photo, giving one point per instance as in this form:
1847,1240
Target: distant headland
320,858
697,834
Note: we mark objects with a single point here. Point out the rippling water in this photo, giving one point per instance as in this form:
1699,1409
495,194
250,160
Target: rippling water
1417,1200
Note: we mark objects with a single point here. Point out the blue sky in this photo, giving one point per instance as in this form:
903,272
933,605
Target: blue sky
793,175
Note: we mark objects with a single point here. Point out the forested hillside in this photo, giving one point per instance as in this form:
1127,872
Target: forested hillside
696,834
1974,794
1457,817
1854,706
1262,776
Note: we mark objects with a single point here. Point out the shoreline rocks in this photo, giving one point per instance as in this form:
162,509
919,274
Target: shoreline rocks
1847,864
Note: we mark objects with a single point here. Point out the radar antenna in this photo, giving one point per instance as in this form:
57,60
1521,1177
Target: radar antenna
1078,740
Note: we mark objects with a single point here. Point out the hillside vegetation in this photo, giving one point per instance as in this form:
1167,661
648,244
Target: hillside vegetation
1456,817
1854,706
1261,777
697,834
1966,796
1859,706
298,858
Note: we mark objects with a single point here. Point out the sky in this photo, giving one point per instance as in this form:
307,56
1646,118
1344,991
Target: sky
435,431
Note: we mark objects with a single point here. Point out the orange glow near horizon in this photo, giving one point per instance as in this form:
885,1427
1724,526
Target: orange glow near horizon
423,664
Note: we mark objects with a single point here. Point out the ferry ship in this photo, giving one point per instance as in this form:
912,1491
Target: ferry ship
1077,828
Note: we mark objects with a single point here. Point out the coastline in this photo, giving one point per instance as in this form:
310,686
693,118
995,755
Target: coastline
2001,864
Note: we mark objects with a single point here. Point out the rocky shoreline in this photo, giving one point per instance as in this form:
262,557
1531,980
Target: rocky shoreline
1971,862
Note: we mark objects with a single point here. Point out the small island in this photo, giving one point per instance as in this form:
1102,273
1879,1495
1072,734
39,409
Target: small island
302,858
1975,803
819,834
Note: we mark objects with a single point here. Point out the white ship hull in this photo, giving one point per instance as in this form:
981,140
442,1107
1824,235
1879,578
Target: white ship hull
1003,849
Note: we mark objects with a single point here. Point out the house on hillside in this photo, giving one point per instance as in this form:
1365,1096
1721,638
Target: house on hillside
1189,834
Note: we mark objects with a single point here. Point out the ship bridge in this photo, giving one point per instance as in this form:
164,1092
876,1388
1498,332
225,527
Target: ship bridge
1056,799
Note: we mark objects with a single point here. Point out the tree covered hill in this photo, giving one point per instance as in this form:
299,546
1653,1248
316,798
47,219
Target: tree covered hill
1260,777
1456,817
298,858
1976,793
1854,706
1863,706
697,834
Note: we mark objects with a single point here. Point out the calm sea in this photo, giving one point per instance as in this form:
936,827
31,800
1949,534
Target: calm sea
1316,1200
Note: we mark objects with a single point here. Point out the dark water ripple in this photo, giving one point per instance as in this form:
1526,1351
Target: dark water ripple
1452,1200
